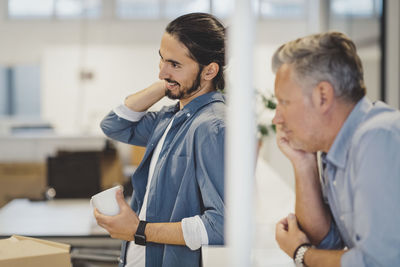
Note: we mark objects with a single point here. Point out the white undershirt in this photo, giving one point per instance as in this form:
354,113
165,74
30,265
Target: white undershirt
194,231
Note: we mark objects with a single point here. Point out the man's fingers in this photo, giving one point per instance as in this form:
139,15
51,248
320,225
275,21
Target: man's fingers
97,214
284,223
120,199
292,222
100,218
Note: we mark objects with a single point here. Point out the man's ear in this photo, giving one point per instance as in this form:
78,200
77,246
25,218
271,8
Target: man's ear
323,96
210,71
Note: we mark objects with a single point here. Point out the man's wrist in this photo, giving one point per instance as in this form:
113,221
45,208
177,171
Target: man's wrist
140,236
306,164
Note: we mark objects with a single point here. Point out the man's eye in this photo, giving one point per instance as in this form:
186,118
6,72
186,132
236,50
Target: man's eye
282,102
174,65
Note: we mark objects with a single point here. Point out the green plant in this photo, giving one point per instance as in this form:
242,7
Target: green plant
266,106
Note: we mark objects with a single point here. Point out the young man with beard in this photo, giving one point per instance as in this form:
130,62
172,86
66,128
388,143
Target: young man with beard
350,216
178,200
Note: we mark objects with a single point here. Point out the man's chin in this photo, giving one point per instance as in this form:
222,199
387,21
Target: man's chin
172,96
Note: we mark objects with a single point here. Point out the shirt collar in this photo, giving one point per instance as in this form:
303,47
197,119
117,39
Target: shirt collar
172,108
337,154
197,103
201,101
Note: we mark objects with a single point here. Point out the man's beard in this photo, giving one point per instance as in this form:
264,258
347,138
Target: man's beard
182,93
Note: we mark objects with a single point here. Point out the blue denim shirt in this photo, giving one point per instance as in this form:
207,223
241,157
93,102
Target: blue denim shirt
189,175
361,184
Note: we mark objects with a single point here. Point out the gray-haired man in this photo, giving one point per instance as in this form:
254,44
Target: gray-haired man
351,216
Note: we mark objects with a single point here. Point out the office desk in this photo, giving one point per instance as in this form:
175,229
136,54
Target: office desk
66,221
49,218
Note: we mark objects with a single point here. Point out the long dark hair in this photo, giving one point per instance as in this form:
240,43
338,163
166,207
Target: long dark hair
204,36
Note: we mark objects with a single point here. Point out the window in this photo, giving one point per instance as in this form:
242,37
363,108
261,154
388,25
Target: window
144,9
140,9
27,9
20,90
174,8
156,9
3,92
30,9
282,8
222,8
361,8
78,8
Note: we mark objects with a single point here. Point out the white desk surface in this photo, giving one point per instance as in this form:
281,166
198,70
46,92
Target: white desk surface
49,218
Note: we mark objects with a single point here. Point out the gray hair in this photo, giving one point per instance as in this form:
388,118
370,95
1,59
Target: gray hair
330,57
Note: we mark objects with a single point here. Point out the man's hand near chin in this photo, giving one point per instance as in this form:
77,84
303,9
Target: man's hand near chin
299,158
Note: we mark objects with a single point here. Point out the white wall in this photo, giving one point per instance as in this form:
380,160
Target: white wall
117,72
123,57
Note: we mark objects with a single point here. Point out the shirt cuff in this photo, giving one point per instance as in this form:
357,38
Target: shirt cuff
126,113
194,232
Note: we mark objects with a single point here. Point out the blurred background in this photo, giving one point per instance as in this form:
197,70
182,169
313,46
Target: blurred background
64,64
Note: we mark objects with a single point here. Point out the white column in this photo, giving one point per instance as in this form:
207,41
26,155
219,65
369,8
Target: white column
240,151
317,16
392,53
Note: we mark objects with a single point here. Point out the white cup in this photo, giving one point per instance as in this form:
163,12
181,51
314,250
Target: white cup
106,201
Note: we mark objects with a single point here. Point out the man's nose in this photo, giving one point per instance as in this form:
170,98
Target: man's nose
163,74
277,118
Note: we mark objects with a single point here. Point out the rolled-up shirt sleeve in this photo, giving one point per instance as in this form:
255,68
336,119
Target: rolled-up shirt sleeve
194,232
128,114
332,240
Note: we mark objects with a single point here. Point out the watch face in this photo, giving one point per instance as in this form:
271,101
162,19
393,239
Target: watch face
140,240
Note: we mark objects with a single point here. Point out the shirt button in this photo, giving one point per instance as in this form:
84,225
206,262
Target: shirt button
188,115
342,218
334,183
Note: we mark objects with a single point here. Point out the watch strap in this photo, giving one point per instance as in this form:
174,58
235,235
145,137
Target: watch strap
140,237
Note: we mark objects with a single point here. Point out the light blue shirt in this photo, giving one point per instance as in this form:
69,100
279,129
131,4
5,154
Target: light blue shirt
188,177
361,184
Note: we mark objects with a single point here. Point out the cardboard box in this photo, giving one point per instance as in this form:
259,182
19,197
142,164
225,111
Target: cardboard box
20,251
22,180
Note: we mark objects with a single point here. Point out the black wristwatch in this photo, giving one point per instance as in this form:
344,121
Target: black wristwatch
140,237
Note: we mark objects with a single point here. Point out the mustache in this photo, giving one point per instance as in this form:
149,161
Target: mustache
171,81
282,127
